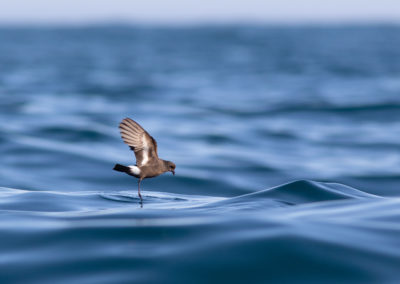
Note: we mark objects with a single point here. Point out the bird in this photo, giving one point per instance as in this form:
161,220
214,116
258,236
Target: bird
148,165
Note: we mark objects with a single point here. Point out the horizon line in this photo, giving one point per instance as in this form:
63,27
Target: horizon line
183,23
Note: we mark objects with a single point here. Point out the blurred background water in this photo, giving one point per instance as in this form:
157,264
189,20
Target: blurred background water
239,109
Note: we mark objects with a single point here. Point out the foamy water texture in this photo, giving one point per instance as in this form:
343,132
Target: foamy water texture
286,141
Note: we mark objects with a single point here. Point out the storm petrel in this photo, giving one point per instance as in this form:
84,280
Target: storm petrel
144,146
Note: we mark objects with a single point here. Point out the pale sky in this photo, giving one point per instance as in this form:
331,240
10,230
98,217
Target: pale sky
198,11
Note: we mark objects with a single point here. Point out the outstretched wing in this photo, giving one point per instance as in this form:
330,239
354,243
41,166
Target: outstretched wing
141,143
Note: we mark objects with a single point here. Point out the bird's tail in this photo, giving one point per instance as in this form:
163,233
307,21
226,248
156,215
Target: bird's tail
121,168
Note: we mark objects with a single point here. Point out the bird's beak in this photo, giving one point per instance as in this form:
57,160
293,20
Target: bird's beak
173,172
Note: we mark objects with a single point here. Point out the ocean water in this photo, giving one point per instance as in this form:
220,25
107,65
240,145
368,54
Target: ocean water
286,141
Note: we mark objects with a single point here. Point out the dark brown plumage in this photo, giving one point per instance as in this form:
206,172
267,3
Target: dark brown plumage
144,146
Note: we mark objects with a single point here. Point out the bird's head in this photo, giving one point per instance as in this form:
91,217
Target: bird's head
169,167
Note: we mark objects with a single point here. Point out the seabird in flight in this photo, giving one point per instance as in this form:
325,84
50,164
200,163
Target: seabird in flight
144,146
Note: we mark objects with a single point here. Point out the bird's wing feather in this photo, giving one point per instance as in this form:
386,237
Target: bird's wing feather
141,143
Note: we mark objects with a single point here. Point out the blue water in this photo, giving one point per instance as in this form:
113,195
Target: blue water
286,141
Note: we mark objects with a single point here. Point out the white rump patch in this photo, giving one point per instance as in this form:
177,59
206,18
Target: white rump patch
145,151
135,170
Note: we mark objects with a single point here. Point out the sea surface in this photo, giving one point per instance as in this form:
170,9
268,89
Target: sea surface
286,141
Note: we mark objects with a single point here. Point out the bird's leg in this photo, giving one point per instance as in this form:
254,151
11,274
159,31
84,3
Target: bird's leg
141,200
